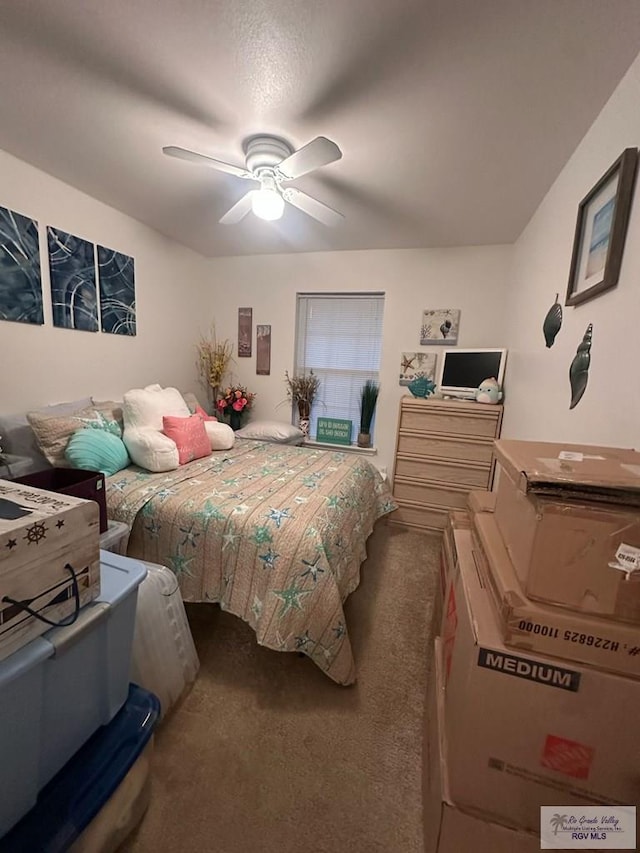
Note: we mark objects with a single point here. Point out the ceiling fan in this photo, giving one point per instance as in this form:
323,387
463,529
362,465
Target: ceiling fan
271,162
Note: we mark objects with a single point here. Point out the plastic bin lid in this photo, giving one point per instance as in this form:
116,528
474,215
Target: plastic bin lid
70,801
118,576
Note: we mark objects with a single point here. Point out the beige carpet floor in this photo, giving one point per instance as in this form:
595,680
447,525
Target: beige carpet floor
267,755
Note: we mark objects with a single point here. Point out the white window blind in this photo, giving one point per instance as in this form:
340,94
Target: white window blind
339,337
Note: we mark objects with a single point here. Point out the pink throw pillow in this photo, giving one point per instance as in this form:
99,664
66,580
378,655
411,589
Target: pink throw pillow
205,417
189,436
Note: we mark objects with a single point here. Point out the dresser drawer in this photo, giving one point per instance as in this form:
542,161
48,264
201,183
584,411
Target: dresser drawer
475,475
445,447
421,418
450,497
425,517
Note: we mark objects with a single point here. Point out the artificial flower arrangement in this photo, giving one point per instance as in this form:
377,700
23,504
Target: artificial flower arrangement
236,398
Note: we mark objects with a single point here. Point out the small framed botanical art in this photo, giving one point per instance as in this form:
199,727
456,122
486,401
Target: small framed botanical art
416,364
440,326
601,228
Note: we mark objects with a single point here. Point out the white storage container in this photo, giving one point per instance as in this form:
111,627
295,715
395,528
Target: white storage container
57,690
116,537
164,658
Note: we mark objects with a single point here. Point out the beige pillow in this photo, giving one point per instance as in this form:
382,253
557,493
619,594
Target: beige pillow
191,400
53,432
112,411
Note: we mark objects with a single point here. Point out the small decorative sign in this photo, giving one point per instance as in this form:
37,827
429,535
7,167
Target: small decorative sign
334,430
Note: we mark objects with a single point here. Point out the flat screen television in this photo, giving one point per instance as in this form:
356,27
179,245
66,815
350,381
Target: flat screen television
462,370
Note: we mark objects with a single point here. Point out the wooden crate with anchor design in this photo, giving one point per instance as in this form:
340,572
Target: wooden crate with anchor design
49,561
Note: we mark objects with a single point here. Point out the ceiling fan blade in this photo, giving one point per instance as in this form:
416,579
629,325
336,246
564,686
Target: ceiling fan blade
319,152
307,204
239,210
202,159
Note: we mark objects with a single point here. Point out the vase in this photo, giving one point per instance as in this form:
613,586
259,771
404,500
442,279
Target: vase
304,424
235,419
304,410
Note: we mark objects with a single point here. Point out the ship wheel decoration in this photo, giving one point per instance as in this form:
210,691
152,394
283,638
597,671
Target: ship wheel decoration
36,532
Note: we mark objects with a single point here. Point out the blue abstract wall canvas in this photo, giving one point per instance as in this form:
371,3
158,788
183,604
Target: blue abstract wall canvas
117,292
73,281
20,283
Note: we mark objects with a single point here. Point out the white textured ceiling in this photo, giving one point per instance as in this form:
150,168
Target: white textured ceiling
454,116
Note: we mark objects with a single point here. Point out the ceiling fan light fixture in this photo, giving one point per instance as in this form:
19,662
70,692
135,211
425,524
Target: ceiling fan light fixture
270,161
267,202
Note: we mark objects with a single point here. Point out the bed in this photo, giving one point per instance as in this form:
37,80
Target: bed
275,534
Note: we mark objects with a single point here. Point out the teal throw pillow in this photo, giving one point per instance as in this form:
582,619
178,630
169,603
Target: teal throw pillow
97,450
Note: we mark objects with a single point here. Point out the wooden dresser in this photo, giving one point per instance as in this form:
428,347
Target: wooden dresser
444,449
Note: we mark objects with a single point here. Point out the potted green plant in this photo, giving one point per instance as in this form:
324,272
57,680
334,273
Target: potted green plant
368,401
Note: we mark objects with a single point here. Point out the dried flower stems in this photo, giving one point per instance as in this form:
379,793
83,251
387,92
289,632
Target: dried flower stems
213,362
302,388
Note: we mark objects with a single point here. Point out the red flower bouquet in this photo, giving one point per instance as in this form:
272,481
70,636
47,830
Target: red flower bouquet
234,402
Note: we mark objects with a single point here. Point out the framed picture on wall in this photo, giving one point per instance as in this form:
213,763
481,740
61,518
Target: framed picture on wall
263,347
245,332
601,228
415,364
440,326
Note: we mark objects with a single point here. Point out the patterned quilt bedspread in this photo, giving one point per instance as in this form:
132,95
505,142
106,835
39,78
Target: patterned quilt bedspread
275,534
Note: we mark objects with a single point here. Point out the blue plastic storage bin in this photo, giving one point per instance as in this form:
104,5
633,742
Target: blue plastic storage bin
57,690
73,798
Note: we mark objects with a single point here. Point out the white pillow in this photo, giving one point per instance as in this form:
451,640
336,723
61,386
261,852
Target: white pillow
145,407
271,431
221,436
151,449
142,412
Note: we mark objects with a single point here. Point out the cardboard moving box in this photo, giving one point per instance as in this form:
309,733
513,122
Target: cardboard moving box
41,533
457,519
572,471
572,553
447,827
481,501
524,730
526,624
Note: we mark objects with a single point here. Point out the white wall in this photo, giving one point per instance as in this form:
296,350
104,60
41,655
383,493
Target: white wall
538,402
43,364
472,279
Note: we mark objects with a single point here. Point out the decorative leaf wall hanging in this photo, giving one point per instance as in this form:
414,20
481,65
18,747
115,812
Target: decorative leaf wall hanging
552,322
579,370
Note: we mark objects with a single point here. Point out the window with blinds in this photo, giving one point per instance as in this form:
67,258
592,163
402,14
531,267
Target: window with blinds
339,337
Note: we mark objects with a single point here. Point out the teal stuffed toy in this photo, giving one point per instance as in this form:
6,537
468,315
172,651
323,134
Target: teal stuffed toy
489,392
